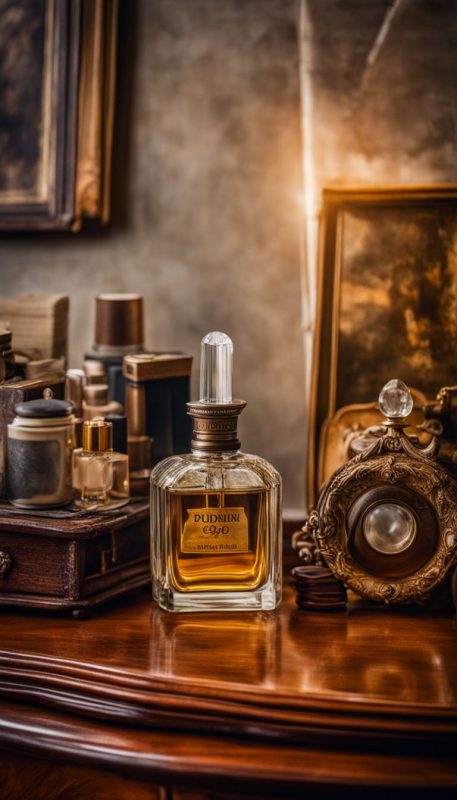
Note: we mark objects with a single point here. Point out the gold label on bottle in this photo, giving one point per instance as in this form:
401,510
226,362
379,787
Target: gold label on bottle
215,530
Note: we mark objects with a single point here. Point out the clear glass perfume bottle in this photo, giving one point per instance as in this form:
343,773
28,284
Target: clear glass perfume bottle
100,476
216,512
92,469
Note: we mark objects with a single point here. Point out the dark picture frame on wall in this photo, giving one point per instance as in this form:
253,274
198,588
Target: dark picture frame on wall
387,298
57,70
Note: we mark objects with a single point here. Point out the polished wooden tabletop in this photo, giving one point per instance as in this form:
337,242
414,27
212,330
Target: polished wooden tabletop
365,673
271,704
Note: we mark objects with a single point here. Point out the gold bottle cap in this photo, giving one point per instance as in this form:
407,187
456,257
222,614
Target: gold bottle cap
96,394
97,435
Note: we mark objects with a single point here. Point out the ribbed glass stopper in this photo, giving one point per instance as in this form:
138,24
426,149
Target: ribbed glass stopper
395,399
216,368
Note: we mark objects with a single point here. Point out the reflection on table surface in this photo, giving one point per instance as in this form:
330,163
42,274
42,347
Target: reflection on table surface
406,655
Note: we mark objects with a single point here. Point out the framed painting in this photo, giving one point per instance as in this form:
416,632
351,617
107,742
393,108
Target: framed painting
57,66
387,299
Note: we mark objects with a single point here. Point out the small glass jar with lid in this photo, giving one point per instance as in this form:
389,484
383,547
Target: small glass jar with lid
38,459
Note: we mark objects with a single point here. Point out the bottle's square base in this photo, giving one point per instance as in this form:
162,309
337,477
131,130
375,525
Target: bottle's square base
266,599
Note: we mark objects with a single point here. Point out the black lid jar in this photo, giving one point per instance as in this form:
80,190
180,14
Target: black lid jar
39,447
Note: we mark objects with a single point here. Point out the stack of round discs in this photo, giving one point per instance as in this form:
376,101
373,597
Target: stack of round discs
318,590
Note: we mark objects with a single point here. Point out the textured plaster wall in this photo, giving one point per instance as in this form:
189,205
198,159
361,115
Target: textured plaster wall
206,222
379,100
383,77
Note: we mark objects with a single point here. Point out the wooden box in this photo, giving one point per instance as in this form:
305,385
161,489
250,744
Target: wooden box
63,560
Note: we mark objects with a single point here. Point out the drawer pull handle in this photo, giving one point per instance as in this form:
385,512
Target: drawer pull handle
5,563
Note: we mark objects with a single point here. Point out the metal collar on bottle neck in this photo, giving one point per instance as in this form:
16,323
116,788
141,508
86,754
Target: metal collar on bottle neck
215,426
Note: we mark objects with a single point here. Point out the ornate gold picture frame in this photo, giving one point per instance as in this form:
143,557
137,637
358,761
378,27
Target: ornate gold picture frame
387,299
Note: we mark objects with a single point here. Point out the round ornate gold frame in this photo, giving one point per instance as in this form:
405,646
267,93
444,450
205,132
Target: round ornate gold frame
392,460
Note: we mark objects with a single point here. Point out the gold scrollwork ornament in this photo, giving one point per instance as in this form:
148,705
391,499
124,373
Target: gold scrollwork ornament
391,460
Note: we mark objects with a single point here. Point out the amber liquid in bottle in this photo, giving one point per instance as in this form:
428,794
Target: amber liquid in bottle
216,512
217,540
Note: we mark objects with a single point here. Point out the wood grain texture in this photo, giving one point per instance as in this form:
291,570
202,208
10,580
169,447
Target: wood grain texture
28,778
369,676
28,573
73,525
96,108
222,764
73,561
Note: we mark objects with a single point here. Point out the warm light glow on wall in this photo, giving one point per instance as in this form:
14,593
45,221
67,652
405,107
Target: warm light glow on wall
309,199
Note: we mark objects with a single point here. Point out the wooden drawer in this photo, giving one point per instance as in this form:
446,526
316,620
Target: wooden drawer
34,565
72,561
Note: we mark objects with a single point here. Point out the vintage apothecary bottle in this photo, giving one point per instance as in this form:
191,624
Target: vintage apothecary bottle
40,443
216,512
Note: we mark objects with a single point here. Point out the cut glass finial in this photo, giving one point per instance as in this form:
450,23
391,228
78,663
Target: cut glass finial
395,400
216,368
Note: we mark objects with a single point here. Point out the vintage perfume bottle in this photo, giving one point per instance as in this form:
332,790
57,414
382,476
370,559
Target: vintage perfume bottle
100,476
216,512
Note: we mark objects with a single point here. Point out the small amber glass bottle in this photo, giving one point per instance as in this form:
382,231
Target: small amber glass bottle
216,512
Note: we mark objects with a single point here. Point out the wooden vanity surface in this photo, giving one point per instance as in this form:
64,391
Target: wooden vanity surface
369,684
